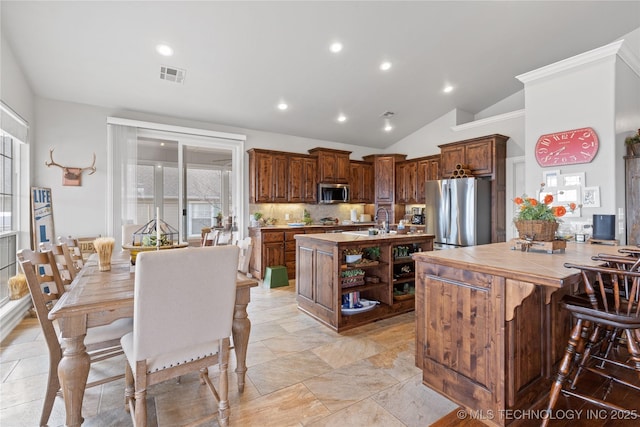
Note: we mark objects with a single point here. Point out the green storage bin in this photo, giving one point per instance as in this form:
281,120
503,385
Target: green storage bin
276,276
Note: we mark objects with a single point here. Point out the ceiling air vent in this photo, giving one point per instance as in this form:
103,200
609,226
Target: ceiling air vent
172,74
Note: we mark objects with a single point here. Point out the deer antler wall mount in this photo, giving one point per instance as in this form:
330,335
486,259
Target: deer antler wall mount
72,176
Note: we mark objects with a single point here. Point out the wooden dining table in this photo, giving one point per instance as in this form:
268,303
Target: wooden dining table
98,298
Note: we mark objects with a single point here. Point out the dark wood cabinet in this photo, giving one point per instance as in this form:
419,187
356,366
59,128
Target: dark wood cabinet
407,182
268,176
486,158
384,170
333,165
302,179
268,250
479,154
428,170
633,199
361,182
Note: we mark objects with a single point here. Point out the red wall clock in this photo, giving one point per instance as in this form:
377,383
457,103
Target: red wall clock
567,148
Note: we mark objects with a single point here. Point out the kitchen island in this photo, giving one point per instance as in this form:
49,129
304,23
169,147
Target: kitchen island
386,276
489,327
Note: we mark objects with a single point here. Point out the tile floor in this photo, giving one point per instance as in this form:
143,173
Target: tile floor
300,373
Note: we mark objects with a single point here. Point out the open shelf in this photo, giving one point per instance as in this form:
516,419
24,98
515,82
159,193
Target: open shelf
362,288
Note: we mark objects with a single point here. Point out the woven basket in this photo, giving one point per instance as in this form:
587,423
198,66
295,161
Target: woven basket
542,231
348,282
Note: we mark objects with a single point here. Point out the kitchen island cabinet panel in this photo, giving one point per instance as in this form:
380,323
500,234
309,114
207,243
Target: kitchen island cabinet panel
320,262
489,326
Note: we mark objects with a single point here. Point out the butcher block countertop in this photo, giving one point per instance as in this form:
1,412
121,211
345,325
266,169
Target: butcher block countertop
536,267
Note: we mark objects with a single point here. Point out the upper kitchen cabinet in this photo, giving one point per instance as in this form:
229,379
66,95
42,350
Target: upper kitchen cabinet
406,182
411,176
303,186
428,170
483,155
384,169
268,176
361,182
333,165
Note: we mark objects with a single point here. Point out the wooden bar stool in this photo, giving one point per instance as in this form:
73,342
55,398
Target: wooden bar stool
606,315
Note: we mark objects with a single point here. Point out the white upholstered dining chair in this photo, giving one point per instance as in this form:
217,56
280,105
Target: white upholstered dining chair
45,287
197,288
246,248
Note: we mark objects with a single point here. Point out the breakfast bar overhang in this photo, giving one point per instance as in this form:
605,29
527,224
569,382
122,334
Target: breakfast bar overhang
489,326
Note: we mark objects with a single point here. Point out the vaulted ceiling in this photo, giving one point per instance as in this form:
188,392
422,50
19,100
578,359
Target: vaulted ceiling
244,58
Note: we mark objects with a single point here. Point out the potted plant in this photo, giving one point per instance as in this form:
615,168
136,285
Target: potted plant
633,144
538,220
352,255
373,253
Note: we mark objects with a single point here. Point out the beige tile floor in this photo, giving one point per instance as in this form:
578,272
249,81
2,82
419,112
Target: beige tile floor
300,373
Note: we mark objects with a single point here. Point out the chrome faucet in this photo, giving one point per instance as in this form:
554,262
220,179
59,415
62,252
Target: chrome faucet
385,224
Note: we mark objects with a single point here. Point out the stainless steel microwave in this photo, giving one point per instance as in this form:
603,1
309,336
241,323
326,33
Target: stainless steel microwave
333,193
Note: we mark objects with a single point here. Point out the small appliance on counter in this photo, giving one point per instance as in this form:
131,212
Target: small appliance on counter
417,216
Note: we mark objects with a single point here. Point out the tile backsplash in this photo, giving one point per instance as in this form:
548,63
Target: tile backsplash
295,211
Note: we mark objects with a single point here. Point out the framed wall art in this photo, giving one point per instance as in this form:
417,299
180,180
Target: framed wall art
591,197
550,178
42,230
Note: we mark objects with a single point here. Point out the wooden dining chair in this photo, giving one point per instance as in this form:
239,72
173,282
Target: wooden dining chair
605,313
61,261
45,287
210,238
74,250
190,336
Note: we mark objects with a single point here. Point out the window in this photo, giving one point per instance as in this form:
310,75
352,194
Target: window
7,224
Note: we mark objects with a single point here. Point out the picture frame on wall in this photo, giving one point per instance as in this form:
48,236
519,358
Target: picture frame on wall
550,178
591,197
42,230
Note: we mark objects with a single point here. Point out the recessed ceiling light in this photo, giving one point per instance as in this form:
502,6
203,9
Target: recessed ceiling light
164,50
385,66
447,89
335,47
388,128
282,106
342,118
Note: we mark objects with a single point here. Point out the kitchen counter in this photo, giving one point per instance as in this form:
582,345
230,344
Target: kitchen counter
489,326
536,267
275,245
317,226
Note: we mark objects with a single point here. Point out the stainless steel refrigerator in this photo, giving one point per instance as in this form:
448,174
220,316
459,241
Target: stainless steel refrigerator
458,212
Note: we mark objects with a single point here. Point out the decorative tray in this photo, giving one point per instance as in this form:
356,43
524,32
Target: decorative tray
366,306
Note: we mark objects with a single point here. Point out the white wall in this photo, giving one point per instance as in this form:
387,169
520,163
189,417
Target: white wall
77,130
583,94
451,128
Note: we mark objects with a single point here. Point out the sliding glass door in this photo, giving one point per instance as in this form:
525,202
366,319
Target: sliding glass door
207,191
190,178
